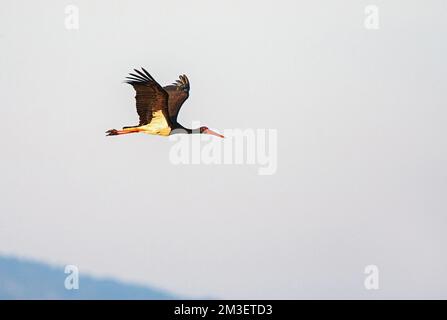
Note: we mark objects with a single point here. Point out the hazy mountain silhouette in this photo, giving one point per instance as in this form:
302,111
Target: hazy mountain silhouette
23,279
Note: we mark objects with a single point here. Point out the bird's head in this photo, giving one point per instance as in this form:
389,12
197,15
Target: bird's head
206,130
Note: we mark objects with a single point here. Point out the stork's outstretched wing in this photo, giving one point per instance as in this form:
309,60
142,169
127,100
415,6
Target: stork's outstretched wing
178,93
151,98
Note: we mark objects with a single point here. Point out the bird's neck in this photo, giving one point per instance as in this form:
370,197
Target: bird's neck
181,129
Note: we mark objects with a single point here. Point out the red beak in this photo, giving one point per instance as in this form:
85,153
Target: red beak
211,132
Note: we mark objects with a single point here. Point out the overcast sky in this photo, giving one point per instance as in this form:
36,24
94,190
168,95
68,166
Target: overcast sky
360,116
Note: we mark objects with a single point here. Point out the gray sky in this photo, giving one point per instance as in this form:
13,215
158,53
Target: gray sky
360,116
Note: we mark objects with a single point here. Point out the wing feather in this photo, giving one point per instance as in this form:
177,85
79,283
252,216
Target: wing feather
178,93
150,96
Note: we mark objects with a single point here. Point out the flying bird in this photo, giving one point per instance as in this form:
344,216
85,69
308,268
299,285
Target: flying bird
158,106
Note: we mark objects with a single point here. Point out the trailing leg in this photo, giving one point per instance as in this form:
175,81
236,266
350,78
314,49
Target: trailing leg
114,132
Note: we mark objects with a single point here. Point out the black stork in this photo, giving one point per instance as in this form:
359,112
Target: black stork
158,106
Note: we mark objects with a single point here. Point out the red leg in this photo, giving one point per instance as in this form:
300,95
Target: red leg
114,132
